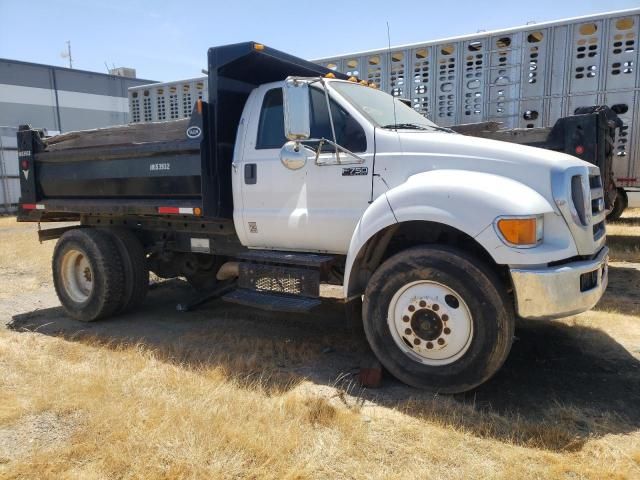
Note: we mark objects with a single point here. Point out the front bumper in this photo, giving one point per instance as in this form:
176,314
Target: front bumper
553,292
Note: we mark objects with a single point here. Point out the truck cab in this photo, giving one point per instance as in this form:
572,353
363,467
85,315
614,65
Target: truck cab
395,166
291,176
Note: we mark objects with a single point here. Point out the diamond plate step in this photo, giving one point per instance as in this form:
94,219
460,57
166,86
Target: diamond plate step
313,260
271,301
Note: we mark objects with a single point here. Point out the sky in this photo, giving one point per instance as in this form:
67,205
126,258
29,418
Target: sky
168,40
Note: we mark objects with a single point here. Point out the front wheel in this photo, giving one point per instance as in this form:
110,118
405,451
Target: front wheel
438,319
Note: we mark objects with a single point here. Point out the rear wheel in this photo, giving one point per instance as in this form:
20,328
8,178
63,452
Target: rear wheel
438,319
136,269
88,274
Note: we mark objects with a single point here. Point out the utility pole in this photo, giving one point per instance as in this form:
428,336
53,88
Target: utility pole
67,54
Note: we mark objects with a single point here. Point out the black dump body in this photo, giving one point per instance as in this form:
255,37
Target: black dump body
136,169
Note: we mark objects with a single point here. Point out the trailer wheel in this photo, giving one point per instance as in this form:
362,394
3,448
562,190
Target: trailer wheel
619,205
438,319
136,269
88,274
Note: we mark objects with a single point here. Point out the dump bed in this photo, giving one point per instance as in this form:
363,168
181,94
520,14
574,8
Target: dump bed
155,162
179,167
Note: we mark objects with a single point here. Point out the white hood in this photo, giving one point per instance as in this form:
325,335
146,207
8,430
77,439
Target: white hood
421,151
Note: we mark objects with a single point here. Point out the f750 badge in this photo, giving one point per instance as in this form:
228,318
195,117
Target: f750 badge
354,171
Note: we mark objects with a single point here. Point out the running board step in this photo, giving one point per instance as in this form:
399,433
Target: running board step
271,301
309,260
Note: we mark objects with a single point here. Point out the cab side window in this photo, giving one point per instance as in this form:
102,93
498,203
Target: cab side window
271,124
349,133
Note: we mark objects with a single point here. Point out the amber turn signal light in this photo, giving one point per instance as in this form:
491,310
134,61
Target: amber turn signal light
521,232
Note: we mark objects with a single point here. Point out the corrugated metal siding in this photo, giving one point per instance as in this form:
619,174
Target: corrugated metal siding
9,180
55,98
523,77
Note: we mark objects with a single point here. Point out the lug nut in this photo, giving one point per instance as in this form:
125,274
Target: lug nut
447,331
416,341
412,308
435,307
441,341
408,331
445,317
406,318
423,303
429,345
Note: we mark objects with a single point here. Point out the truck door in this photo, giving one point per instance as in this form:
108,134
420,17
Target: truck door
315,208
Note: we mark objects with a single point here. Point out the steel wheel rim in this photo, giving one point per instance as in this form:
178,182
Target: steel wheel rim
77,275
430,322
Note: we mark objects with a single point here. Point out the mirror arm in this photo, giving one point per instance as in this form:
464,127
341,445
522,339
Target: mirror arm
322,141
333,130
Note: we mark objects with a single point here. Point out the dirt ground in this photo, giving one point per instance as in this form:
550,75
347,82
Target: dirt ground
581,373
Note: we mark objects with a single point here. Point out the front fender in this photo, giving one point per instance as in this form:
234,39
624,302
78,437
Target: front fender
469,202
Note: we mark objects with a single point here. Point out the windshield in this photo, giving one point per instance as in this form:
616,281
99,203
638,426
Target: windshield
378,107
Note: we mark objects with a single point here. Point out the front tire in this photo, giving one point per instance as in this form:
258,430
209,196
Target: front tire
88,274
438,319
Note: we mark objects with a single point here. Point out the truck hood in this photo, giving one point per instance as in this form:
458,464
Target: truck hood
424,151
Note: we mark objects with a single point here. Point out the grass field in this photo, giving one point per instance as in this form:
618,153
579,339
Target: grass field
225,392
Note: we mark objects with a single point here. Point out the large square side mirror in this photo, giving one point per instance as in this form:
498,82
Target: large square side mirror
297,117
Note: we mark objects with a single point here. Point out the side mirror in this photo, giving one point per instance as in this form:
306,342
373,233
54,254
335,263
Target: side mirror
293,155
297,122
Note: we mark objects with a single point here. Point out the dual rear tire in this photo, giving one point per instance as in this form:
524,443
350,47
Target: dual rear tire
99,272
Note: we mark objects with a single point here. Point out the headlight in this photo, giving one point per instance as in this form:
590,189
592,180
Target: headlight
521,232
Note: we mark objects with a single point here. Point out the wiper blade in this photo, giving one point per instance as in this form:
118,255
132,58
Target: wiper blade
442,129
409,126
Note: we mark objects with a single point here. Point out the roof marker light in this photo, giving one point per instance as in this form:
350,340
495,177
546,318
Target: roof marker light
258,46
330,75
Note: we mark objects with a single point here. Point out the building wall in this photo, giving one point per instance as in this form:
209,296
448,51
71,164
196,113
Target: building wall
58,99
61,99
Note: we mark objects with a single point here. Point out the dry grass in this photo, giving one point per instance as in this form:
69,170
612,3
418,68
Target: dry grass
130,414
85,408
23,261
624,236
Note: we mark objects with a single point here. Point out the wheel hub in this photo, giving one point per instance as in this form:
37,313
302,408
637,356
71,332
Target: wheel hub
77,276
430,322
427,324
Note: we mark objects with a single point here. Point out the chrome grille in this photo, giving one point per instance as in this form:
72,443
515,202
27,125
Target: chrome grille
578,194
589,205
578,197
597,205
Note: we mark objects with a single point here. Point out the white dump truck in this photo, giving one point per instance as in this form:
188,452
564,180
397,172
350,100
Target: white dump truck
290,176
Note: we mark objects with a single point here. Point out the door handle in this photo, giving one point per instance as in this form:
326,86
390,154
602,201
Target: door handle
250,173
